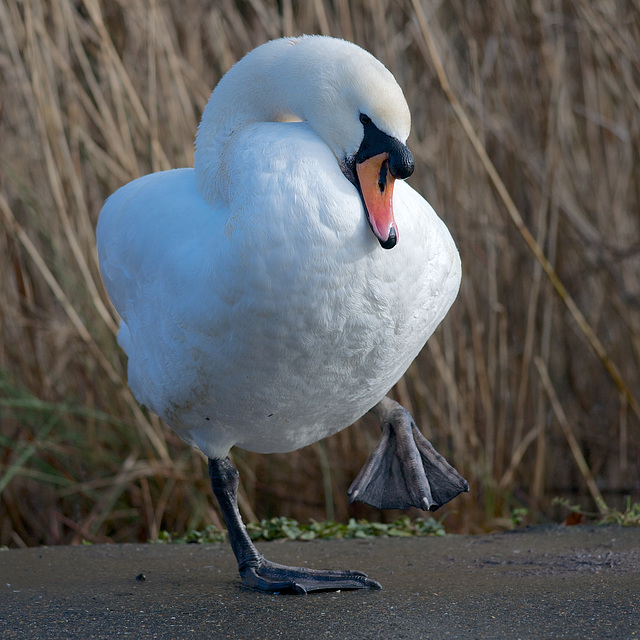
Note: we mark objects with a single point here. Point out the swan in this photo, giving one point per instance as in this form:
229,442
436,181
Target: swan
276,291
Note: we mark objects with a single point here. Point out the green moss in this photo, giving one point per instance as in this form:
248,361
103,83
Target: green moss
288,528
630,517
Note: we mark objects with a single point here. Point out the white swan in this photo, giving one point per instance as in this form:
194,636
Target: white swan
259,306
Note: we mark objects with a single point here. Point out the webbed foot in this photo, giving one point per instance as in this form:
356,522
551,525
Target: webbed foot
405,470
257,572
277,578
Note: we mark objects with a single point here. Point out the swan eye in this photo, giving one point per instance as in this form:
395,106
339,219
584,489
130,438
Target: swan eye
364,119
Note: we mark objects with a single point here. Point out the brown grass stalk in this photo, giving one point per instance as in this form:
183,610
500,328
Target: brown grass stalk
517,219
529,109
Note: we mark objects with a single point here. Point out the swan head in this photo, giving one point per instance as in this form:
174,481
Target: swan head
348,97
359,110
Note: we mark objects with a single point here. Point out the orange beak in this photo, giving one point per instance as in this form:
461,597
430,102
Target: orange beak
376,187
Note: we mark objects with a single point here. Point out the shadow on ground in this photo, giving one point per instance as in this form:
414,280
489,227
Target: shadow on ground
542,582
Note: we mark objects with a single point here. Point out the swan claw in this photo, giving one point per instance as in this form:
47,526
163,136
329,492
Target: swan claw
257,572
276,578
405,470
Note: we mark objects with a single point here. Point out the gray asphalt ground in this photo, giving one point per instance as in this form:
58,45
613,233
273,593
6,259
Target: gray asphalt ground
543,582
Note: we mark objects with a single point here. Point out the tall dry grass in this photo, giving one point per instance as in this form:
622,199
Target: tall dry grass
526,131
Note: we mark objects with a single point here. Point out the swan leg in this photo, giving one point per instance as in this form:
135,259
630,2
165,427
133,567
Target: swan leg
255,571
405,470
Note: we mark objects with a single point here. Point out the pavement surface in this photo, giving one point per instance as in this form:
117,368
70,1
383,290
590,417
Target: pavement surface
541,582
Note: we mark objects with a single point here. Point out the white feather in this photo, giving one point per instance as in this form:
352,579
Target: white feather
261,311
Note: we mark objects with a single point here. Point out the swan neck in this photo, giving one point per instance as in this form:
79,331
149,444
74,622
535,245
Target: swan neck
256,89
327,82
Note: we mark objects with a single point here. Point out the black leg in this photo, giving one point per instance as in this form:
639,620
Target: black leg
405,470
257,572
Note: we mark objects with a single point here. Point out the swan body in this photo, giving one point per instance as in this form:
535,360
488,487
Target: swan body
261,312
264,326
258,306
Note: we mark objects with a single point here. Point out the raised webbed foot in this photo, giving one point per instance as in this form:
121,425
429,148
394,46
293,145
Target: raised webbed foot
405,470
277,578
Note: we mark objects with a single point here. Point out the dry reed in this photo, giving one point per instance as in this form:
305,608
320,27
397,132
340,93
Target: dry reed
526,130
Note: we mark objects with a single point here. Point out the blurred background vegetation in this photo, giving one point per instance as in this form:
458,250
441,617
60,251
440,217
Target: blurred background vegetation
526,134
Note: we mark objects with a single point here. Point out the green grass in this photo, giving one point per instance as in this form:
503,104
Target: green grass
282,528
629,517
290,529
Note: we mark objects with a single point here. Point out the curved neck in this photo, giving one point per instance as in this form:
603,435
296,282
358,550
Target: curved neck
325,81
257,89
